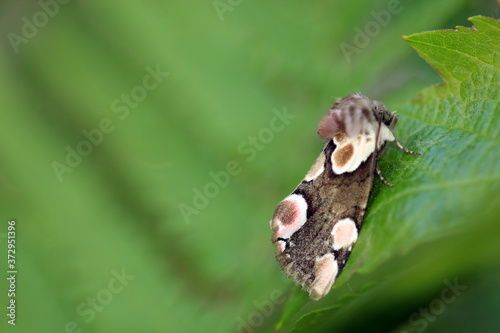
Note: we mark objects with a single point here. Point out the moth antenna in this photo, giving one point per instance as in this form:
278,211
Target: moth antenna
374,159
382,177
406,150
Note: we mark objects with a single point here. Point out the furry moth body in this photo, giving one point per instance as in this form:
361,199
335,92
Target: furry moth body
315,227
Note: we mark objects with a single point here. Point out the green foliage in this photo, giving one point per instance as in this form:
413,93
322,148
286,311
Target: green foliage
118,211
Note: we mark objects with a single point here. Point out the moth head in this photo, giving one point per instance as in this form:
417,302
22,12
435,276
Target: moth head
383,114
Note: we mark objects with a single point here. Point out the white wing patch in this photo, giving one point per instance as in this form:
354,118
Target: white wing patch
352,151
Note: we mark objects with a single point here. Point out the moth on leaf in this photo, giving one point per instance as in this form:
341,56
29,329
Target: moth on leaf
315,227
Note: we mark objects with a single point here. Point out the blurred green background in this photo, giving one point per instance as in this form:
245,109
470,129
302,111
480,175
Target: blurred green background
115,116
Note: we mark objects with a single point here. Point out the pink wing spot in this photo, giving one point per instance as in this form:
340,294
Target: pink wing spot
325,271
344,233
290,215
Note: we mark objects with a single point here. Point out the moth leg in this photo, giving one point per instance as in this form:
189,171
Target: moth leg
382,177
406,150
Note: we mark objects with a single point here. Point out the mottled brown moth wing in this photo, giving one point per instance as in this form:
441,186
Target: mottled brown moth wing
316,226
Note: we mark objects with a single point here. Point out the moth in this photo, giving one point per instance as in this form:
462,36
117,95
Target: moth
314,228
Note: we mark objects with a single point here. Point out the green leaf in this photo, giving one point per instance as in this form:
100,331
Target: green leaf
294,303
440,221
